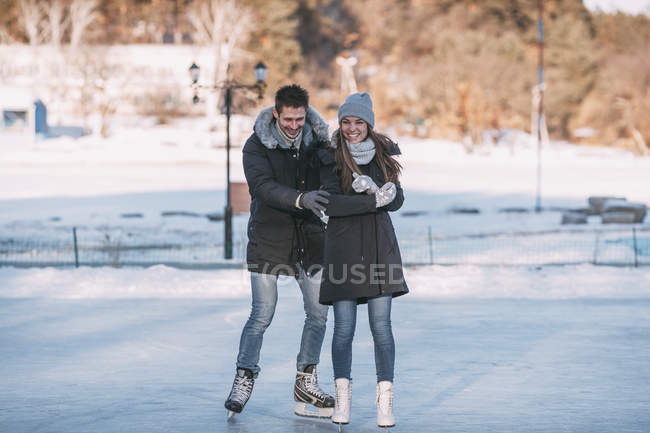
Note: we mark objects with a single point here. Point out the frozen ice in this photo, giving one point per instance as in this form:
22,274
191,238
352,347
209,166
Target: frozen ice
463,365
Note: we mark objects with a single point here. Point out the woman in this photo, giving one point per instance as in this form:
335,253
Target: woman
362,258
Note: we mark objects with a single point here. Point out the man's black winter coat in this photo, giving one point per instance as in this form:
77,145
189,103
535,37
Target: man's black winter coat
281,236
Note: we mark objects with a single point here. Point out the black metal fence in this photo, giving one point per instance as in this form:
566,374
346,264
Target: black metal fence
615,247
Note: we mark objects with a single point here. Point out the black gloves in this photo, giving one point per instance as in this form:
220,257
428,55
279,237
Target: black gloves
314,201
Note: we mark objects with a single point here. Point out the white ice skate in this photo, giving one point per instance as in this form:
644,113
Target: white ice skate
341,414
385,417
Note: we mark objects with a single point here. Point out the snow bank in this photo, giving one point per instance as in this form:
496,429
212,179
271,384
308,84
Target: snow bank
429,282
519,282
113,283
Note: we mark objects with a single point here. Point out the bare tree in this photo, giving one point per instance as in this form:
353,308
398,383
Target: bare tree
56,21
220,24
98,81
626,106
31,16
50,22
82,14
5,36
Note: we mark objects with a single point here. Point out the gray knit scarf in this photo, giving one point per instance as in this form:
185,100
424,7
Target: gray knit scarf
291,142
362,152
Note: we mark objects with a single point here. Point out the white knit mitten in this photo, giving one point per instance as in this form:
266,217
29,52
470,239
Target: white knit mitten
363,183
386,194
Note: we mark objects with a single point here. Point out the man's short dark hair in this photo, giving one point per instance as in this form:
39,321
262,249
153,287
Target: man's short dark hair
291,96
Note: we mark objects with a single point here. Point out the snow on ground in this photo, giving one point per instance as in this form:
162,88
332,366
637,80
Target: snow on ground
49,186
426,282
626,6
141,157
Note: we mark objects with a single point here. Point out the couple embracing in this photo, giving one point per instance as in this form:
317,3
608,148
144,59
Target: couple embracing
298,176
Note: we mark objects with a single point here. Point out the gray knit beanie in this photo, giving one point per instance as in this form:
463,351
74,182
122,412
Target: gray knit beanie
358,105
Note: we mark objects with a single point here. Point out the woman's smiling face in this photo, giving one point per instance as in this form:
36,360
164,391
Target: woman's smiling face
354,129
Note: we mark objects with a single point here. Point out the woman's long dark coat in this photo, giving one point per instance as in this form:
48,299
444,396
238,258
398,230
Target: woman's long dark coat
362,257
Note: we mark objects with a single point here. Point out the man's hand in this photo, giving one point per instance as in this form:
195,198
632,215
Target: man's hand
315,201
386,194
363,183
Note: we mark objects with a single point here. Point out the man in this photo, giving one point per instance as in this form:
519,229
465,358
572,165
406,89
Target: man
285,237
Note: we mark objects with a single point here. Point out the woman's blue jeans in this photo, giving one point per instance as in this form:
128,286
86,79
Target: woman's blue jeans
345,318
264,289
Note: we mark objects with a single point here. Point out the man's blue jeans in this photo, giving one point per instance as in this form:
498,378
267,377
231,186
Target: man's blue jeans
264,288
345,320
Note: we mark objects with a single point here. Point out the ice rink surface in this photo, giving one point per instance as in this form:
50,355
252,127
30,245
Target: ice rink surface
166,365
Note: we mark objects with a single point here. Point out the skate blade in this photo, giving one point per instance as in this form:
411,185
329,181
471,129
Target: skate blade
309,411
230,415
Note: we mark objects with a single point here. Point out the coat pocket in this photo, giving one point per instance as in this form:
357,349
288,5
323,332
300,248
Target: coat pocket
314,236
270,245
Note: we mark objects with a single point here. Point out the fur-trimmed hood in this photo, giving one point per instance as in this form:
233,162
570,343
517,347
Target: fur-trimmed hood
394,150
315,129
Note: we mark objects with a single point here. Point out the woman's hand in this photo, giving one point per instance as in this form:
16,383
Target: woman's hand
385,194
363,183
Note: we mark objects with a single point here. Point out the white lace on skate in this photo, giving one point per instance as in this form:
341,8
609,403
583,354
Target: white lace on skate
385,403
241,389
311,385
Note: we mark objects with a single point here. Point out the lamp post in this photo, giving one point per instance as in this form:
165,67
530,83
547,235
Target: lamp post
228,86
540,106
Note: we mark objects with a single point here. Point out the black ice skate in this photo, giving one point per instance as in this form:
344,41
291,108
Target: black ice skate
311,401
242,387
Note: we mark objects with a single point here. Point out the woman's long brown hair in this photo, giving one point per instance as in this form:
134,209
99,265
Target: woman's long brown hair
345,164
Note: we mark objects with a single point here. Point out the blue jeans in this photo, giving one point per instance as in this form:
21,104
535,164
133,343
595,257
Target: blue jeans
264,288
345,320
